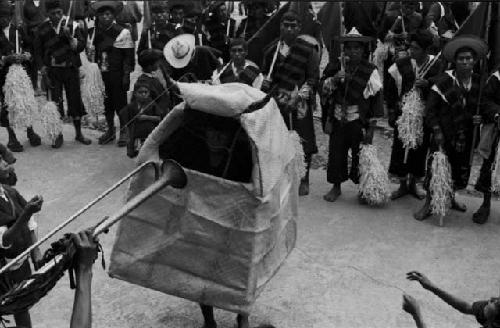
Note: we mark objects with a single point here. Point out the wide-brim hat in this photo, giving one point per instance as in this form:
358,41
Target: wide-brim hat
116,6
354,36
470,41
179,50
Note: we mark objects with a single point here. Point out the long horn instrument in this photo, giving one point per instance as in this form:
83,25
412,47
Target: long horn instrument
166,168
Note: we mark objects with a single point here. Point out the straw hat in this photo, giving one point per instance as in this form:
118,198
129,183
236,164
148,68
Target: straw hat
179,50
354,36
116,6
470,41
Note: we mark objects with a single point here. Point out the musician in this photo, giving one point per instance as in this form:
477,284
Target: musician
115,56
405,75
57,52
17,233
292,62
490,114
8,47
451,113
239,69
352,100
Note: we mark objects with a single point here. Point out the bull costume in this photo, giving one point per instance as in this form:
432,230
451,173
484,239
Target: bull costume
239,69
293,66
451,113
352,99
8,47
405,75
490,114
57,50
114,49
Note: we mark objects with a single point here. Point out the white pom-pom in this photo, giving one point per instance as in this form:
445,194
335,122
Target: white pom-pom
20,98
495,172
92,88
411,122
374,181
300,165
441,184
51,122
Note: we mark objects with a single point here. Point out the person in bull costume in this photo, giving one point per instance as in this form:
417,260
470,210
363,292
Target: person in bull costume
490,114
451,113
8,47
57,51
115,56
405,75
292,64
352,99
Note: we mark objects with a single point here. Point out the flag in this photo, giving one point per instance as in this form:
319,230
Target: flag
476,23
269,32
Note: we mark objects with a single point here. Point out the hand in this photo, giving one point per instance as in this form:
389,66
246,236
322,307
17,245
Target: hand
410,305
266,85
421,83
87,248
476,120
421,278
35,204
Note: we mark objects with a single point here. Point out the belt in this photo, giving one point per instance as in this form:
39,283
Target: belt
348,113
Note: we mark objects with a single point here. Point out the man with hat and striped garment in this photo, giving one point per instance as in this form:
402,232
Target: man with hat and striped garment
239,69
114,50
57,52
292,65
352,101
7,48
406,75
451,113
160,31
488,146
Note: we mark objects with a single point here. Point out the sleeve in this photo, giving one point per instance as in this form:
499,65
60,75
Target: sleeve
3,230
215,77
391,96
257,83
374,85
125,43
38,49
312,73
491,99
478,311
432,109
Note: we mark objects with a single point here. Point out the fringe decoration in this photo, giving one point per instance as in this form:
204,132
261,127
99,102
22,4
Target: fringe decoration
495,172
20,98
300,164
441,184
92,87
374,181
51,122
380,55
411,122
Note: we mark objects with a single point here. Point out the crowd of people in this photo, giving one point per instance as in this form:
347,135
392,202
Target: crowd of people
183,43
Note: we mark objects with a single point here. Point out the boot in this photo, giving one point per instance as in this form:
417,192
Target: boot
415,190
304,187
402,190
34,138
483,213
14,145
58,142
78,131
123,139
457,206
425,211
108,136
208,316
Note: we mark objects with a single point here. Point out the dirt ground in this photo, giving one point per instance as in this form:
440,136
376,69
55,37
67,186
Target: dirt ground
347,270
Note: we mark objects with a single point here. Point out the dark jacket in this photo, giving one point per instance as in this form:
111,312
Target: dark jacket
118,59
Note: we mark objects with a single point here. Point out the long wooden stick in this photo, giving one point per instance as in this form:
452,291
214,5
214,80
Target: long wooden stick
73,217
275,57
69,13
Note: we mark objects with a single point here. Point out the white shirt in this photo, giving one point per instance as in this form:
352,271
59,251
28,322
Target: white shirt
257,83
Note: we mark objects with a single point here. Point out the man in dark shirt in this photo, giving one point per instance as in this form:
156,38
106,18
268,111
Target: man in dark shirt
487,312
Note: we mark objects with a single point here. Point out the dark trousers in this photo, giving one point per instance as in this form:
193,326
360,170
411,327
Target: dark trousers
69,79
346,136
116,97
415,164
483,183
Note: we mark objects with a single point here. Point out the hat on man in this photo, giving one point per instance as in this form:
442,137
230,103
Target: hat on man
5,8
354,36
465,41
149,57
115,6
179,50
32,15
